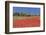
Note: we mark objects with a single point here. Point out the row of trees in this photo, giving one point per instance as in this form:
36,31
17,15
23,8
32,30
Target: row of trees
23,14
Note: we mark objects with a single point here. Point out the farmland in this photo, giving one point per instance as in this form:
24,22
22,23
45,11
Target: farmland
26,21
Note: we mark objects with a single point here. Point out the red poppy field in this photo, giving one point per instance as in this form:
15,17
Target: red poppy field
25,21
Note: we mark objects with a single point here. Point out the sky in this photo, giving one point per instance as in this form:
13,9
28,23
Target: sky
28,10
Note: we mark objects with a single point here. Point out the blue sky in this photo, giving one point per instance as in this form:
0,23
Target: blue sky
28,10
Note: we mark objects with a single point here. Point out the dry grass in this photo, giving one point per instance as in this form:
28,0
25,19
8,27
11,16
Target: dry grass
24,17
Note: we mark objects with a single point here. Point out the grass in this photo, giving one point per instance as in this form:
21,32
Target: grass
24,17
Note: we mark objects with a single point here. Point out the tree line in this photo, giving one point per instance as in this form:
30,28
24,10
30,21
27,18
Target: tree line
23,14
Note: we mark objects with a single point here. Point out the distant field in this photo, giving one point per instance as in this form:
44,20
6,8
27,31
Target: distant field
25,17
26,21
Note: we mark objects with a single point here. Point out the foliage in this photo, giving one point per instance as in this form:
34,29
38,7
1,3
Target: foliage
23,14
